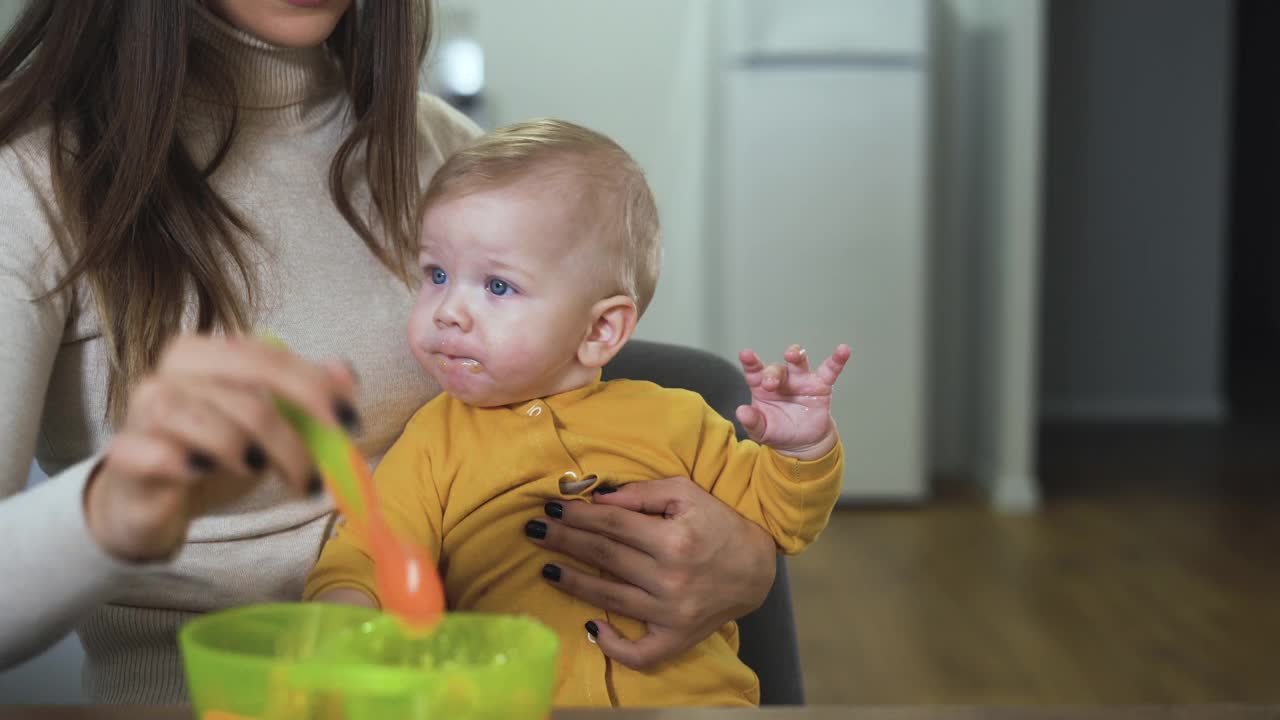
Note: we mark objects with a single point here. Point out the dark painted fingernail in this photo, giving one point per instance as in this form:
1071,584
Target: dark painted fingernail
199,461
551,572
255,458
535,529
315,485
554,509
604,490
346,415
593,629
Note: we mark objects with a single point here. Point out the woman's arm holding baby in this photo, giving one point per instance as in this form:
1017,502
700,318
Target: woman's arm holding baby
686,564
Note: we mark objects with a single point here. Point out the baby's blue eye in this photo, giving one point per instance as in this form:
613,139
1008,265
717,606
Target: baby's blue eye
499,287
438,276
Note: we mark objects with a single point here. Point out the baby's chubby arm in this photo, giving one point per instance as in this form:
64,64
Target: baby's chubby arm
788,479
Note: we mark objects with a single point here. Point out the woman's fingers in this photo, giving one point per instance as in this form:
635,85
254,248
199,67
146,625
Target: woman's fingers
252,363
202,429
154,461
706,565
659,643
267,436
223,428
629,528
660,498
137,501
597,551
344,376
608,595
174,411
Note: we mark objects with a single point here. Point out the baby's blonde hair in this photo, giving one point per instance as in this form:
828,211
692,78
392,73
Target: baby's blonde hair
601,177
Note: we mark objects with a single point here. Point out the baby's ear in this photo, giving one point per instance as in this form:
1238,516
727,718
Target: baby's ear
612,322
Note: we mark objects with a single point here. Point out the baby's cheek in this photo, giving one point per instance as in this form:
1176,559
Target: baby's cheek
516,353
522,359
417,329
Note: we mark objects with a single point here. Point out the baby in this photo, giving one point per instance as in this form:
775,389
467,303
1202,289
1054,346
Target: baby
539,252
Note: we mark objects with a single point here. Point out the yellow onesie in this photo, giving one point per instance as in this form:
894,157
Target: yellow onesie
462,481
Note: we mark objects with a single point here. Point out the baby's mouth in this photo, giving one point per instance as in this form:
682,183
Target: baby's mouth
445,361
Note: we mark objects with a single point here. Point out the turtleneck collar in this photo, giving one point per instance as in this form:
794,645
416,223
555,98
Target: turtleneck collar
271,80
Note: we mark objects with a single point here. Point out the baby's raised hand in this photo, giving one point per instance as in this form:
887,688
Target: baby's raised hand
790,408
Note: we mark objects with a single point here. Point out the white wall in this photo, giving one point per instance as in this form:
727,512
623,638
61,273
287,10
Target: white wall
986,221
9,10
1135,239
823,206
957,186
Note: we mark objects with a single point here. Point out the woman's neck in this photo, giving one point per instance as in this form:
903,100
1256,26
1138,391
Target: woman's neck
270,80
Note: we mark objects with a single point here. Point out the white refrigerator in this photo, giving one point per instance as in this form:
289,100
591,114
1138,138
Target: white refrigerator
820,223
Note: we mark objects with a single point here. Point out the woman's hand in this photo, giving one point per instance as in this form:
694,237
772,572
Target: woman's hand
687,562
201,430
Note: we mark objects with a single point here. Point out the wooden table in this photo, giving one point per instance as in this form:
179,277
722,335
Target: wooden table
1137,712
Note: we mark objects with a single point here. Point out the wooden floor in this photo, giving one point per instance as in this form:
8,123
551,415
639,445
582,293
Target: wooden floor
1152,575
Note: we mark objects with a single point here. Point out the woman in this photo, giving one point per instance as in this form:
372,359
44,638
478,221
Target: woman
175,176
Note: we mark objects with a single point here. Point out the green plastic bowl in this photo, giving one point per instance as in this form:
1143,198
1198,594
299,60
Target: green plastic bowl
305,660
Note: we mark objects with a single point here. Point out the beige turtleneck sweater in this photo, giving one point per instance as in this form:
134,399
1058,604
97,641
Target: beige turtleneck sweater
320,290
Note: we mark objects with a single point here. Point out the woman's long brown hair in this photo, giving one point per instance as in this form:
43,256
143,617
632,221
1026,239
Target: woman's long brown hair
143,226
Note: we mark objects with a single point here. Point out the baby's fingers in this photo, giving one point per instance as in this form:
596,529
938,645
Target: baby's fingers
797,359
769,377
753,421
752,365
834,365
775,376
